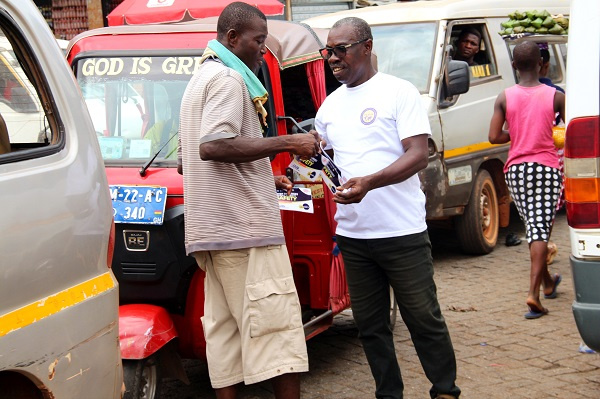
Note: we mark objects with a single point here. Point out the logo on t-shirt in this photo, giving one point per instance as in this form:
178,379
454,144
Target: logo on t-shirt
368,116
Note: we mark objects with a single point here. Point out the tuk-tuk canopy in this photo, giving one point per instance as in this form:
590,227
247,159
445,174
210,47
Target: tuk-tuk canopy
136,12
291,43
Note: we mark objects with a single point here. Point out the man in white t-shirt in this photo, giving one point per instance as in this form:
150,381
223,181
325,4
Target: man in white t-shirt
378,131
252,317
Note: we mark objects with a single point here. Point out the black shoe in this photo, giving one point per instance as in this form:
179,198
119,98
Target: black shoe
512,239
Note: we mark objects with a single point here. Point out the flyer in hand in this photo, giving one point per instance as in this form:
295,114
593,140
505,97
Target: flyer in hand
321,166
299,200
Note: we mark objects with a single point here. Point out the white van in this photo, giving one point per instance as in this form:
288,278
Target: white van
582,173
58,295
464,182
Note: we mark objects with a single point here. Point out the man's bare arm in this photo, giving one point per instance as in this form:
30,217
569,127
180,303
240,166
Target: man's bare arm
242,149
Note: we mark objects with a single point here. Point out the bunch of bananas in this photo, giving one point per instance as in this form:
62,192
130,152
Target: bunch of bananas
535,22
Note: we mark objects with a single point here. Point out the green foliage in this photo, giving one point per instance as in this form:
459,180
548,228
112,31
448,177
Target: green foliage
537,23
534,22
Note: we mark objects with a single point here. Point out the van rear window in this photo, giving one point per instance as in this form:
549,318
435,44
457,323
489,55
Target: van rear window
23,122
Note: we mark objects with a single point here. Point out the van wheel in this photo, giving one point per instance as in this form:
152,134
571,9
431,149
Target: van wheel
142,378
393,309
477,228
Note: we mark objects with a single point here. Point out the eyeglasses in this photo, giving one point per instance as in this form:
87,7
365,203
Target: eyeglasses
339,51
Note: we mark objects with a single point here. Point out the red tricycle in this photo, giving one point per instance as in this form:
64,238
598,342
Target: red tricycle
133,78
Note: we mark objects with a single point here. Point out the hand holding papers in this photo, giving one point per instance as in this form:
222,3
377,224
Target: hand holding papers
299,200
321,165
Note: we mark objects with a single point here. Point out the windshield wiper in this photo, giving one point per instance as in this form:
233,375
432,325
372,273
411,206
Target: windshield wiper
147,165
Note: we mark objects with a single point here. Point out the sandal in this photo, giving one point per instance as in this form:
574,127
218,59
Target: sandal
535,313
553,294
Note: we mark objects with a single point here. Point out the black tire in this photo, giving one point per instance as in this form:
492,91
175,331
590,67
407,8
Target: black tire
142,378
16,385
393,309
477,228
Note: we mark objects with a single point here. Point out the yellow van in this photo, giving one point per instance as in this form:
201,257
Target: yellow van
58,295
416,41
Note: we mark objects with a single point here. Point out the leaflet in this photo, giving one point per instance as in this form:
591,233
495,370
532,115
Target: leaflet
319,166
299,200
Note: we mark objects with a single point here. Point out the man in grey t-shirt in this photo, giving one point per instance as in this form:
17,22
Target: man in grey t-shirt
252,320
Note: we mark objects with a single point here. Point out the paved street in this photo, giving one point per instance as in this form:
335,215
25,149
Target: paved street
500,354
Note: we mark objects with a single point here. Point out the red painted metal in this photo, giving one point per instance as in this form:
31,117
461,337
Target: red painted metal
141,41
311,241
133,12
143,330
189,325
165,177
309,237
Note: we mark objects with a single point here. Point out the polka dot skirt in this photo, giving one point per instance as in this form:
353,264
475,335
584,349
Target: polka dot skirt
535,190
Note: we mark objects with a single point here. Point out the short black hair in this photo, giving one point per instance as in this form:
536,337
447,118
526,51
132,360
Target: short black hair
360,26
470,31
237,16
526,56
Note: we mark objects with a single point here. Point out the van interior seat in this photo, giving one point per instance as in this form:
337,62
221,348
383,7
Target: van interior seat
4,139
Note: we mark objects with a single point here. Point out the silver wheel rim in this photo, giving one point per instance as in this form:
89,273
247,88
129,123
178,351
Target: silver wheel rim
150,376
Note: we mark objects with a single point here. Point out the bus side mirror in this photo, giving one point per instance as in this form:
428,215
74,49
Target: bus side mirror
457,78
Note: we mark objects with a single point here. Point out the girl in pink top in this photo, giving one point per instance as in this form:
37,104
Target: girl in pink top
532,169
530,117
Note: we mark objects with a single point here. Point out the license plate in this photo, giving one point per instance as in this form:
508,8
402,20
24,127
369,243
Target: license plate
138,204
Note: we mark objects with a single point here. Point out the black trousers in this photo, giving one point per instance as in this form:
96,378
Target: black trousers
404,263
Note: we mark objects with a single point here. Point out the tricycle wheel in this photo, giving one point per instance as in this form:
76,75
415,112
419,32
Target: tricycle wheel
142,378
393,309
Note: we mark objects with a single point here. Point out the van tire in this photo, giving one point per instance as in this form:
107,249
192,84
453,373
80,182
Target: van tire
142,378
477,227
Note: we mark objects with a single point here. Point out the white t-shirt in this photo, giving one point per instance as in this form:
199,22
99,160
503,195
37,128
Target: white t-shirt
365,125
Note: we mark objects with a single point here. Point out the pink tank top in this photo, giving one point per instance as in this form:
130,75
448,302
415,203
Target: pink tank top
530,117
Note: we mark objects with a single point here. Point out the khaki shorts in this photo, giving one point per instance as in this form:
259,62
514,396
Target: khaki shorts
252,319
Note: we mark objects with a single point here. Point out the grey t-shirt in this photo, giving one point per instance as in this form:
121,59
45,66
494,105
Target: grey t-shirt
227,205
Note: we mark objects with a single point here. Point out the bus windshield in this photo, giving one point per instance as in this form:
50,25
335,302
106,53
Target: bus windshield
134,104
406,51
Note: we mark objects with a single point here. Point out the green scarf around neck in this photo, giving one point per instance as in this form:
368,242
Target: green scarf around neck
257,91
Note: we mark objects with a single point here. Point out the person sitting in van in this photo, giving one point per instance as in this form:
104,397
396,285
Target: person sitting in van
545,69
161,134
164,132
467,46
